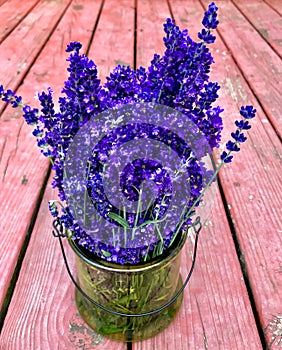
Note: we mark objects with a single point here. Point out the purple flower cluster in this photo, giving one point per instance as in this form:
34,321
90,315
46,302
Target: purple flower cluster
10,97
179,79
139,170
247,112
209,22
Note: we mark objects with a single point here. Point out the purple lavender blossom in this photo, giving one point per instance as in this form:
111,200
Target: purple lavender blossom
210,17
180,80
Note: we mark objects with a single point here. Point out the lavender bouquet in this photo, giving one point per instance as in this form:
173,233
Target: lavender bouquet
171,103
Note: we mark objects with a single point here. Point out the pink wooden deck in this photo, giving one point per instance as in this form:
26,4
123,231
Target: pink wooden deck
236,289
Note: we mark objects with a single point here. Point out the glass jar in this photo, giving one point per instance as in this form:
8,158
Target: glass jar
129,289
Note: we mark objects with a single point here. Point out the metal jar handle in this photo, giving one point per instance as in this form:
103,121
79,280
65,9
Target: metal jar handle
59,233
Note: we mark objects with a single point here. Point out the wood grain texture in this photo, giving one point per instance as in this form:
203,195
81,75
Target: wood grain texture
252,187
21,48
11,13
260,64
113,42
43,314
265,20
20,158
151,16
24,176
276,5
51,65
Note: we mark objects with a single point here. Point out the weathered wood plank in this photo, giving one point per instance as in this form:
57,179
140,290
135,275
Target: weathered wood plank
113,42
276,5
265,20
20,49
43,314
252,185
11,13
150,18
24,172
20,157
260,64
216,312
76,25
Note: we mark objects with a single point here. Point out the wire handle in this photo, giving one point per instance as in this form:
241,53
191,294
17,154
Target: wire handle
59,233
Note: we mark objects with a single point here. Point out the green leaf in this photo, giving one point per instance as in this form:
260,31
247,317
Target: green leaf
119,219
110,330
151,222
105,253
